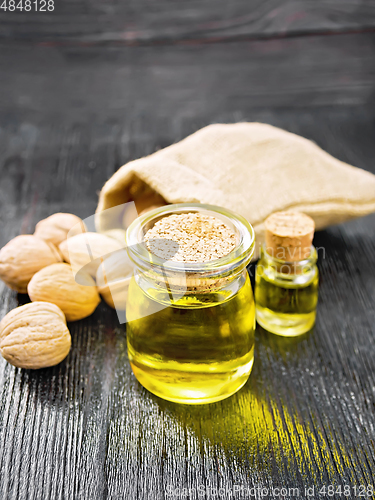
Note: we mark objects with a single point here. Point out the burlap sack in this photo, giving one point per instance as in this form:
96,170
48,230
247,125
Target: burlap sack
252,168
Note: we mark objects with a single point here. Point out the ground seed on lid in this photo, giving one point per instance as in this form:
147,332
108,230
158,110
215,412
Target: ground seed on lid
190,237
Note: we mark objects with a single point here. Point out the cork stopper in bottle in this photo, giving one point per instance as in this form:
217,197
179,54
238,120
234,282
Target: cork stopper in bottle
289,235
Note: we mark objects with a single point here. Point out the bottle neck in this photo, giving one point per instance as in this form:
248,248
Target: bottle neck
301,271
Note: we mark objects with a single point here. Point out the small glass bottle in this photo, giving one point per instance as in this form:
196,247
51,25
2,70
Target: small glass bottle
191,325
286,281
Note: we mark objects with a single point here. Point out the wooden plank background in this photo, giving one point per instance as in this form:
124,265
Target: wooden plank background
168,21
95,84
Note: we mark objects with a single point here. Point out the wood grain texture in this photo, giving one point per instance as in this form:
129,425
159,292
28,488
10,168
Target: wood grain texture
167,21
69,117
81,84
86,429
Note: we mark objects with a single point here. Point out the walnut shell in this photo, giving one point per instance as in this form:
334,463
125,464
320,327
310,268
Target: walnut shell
34,336
113,278
22,257
56,227
56,284
85,250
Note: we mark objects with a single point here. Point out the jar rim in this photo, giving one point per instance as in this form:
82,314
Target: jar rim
239,256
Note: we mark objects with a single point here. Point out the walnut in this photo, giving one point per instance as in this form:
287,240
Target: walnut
34,336
56,228
56,284
22,257
113,278
85,250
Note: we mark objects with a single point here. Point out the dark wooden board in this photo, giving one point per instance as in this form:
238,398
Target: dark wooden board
69,117
91,83
87,429
168,21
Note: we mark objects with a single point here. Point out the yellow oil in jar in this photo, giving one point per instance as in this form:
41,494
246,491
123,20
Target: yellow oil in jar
199,349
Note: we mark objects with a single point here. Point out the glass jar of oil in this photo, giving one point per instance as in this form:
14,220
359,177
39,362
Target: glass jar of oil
190,325
286,293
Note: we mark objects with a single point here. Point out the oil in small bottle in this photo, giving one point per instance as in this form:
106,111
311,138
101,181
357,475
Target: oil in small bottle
286,282
284,305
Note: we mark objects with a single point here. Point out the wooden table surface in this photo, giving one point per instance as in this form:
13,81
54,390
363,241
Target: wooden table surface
95,84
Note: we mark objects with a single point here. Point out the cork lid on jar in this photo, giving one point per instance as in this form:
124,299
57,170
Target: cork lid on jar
191,238
289,235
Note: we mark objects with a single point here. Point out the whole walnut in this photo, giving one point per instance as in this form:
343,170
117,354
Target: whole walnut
84,251
22,257
34,336
56,227
56,284
113,277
